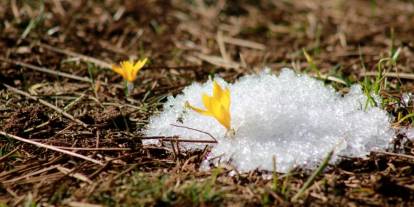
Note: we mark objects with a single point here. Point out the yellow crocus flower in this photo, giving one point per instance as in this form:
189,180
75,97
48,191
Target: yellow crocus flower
128,70
217,106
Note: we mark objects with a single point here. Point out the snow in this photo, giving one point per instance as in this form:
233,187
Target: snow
292,117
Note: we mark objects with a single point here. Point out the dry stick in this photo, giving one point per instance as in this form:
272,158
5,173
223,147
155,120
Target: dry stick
133,166
94,149
330,78
51,147
218,61
15,11
222,46
197,130
244,43
395,154
178,147
176,138
310,180
97,139
80,204
36,127
31,174
11,192
185,67
66,108
392,75
46,104
72,173
173,149
85,58
8,154
46,70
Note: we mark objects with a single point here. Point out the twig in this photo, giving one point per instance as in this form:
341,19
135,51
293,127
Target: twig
59,7
85,58
310,180
94,149
222,46
51,148
244,43
36,127
15,11
133,166
46,70
81,204
218,61
66,108
197,130
173,149
30,174
97,139
46,104
71,173
330,78
395,154
11,192
175,138
8,154
392,75
184,67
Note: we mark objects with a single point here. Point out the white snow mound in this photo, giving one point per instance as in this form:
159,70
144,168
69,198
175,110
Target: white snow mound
292,117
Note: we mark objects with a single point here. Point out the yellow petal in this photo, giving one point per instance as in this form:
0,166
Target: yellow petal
137,67
126,65
225,99
126,68
139,64
200,111
118,70
226,121
221,114
222,95
217,91
217,106
207,101
132,75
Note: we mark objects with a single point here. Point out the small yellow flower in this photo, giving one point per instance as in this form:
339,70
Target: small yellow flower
217,106
128,70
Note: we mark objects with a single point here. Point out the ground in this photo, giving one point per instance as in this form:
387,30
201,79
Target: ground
348,42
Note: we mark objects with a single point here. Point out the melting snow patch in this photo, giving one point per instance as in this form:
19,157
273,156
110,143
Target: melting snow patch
294,118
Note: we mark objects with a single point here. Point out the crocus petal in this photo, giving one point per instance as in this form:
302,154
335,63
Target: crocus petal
139,64
225,99
222,95
207,101
217,106
131,75
198,110
130,71
226,120
217,90
126,65
118,70
221,114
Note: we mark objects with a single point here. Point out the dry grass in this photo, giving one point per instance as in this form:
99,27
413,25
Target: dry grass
74,42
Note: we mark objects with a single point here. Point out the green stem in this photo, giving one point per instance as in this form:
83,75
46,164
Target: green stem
128,88
310,180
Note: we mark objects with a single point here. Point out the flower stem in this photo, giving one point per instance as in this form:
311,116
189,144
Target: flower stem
128,88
